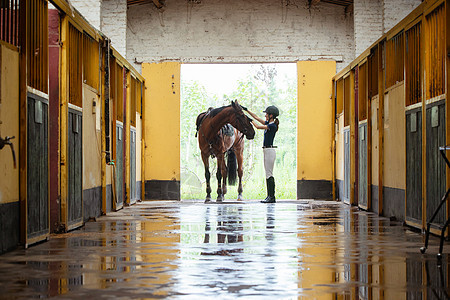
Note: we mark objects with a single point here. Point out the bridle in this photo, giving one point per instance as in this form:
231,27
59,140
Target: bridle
243,125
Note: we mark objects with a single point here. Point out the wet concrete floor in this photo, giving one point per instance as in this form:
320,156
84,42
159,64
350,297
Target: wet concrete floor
192,250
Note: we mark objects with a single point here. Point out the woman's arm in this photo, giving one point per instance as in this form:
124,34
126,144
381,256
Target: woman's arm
259,126
254,116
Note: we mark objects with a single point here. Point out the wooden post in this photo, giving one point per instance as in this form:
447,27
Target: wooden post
127,129
64,97
424,55
333,140
23,34
143,142
447,89
355,91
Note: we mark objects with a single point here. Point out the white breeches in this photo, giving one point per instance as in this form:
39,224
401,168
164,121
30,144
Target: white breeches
269,161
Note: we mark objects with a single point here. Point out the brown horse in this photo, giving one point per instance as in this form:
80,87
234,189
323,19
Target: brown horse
214,139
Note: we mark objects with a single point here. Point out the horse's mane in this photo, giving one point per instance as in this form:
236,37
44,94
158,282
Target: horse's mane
212,112
216,111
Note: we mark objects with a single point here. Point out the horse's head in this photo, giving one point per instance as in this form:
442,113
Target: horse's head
241,122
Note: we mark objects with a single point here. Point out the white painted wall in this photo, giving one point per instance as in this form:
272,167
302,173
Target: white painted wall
90,9
239,31
243,31
114,23
368,23
395,10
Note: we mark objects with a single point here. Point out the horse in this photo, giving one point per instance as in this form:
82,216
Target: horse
214,139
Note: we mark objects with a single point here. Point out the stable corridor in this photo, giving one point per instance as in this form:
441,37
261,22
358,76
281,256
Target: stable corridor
192,250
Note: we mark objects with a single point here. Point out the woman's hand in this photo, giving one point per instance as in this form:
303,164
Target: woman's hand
257,126
254,116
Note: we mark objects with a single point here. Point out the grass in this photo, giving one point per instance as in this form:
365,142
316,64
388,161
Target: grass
254,188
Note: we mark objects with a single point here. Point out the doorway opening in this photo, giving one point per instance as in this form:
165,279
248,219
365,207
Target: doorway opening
254,86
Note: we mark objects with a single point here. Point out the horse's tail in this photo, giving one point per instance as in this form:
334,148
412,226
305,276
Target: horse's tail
232,167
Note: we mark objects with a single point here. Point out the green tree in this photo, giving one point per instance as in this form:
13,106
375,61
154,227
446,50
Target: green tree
261,87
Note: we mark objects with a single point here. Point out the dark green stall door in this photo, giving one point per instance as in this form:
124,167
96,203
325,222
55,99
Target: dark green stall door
37,167
414,165
75,163
133,166
119,165
435,163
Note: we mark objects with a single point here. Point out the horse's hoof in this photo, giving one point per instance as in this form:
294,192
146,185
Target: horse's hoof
207,200
240,198
219,199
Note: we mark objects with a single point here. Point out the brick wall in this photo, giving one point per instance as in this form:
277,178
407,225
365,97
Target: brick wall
239,31
396,10
114,23
243,31
90,9
368,26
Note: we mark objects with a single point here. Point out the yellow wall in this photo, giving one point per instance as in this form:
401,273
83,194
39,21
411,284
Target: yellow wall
314,115
394,138
92,148
162,114
9,124
340,149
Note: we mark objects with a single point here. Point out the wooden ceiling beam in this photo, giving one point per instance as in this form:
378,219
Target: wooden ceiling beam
158,4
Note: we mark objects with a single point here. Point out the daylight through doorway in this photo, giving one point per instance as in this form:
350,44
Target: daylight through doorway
255,86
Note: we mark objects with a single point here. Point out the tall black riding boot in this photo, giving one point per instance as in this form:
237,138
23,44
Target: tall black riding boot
267,187
270,191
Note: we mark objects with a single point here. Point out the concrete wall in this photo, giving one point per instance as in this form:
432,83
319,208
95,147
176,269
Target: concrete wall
239,31
314,129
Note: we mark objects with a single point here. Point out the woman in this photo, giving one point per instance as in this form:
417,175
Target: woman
270,126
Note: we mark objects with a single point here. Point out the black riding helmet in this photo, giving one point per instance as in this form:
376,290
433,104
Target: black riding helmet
272,110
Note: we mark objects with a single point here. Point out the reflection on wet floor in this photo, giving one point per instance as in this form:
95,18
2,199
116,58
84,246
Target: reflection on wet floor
291,249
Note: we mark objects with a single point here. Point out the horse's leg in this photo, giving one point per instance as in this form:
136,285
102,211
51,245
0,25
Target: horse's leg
240,170
224,171
205,159
220,167
219,181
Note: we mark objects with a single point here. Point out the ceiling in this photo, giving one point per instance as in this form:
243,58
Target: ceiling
161,3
